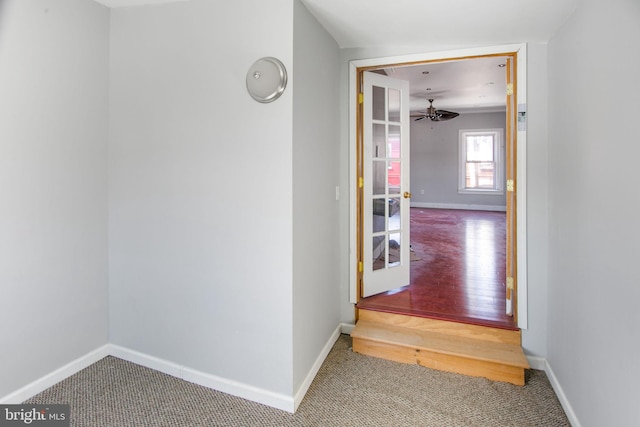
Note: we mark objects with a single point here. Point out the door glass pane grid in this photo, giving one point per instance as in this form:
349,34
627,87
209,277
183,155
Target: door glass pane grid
386,178
387,165
387,250
386,184
386,233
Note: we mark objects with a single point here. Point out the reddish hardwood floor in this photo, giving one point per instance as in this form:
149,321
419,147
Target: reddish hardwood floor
461,272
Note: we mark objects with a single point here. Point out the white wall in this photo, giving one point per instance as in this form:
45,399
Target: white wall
200,197
316,212
594,236
53,185
534,338
434,161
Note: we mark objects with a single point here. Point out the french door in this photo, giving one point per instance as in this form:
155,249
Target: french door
385,185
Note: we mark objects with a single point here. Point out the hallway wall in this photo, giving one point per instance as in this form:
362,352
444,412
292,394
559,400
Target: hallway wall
200,191
53,185
594,236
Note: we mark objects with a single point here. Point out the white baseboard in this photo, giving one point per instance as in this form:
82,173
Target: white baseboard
238,389
465,207
536,362
146,360
55,377
568,410
235,388
346,328
540,363
304,387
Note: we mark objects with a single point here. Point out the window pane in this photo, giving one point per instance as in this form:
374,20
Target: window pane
394,177
480,148
394,250
394,105
480,175
379,103
394,141
379,252
395,216
379,141
379,222
480,161
379,177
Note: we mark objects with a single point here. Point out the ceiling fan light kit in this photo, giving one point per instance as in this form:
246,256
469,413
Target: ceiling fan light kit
435,115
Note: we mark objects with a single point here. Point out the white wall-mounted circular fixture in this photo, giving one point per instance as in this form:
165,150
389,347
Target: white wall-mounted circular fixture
266,79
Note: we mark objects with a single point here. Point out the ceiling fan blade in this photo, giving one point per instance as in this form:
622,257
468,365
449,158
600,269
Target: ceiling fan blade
442,115
419,117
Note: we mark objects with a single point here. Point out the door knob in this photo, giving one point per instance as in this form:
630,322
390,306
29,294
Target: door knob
407,195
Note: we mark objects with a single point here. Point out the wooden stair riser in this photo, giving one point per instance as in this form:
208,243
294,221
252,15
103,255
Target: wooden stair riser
440,361
508,354
483,333
462,348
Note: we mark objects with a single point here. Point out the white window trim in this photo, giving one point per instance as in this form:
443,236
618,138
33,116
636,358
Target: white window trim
498,155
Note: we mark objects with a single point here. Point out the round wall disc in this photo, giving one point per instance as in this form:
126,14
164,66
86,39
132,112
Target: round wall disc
266,79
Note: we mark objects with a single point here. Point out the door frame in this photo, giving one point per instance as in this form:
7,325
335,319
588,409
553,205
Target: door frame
356,67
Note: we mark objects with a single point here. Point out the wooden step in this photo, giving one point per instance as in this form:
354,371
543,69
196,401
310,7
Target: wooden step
467,353
447,327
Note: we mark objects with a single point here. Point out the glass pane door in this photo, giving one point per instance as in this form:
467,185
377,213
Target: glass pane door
386,223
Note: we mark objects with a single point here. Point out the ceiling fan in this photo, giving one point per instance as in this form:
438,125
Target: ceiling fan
435,115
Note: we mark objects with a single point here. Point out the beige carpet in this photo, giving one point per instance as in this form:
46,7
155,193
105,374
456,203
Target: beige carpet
350,390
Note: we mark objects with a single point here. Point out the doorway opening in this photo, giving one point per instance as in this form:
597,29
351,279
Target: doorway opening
464,253
457,269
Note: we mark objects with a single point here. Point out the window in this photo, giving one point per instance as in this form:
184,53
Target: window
481,167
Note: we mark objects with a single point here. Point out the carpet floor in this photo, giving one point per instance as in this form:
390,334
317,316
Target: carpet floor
349,390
